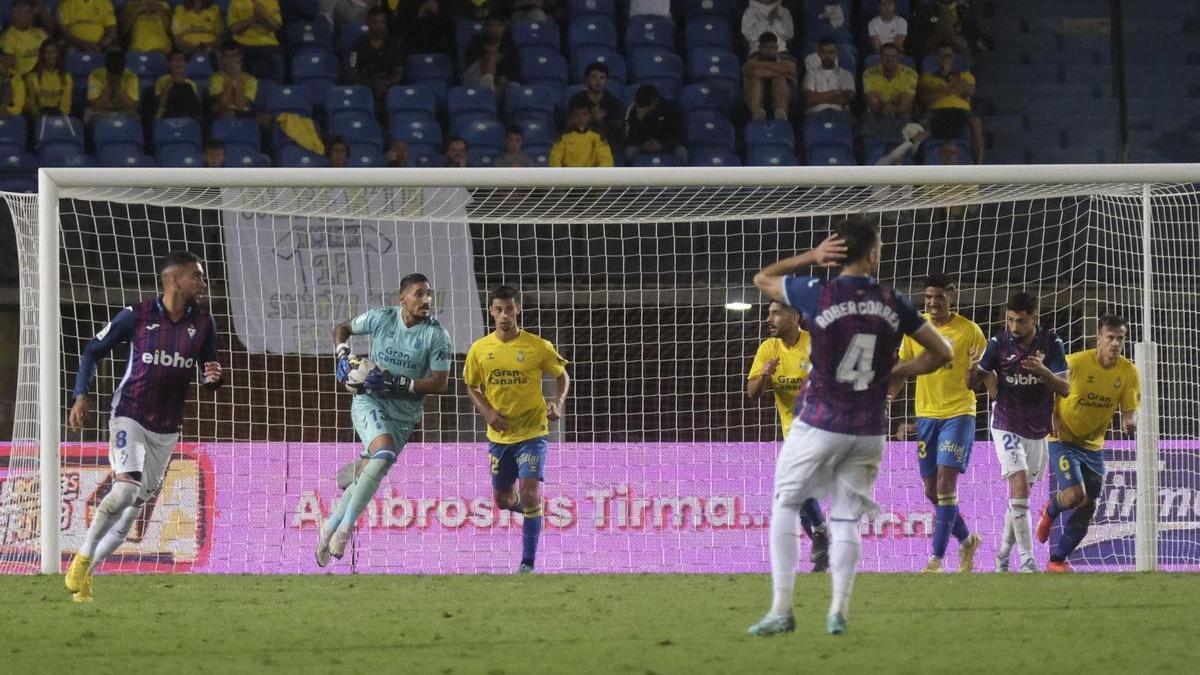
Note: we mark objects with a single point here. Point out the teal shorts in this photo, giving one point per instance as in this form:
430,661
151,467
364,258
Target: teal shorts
373,418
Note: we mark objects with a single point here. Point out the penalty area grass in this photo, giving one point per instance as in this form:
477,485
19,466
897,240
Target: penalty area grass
1082,623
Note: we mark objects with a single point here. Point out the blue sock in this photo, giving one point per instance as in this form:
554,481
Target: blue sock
1072,534
943,522
531,529
1054,508
960,530
811,517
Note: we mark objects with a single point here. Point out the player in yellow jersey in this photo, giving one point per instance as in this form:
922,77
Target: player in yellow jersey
946,419
782,360
503,374
1102,383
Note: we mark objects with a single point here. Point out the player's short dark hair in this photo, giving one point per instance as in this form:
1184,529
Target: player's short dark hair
646,95
768,37
827,40
1113,322
376,11
1022,302
214,144
889,45
504,293
412,280
596,66
783,306
940,280
175,258
515,129
859,235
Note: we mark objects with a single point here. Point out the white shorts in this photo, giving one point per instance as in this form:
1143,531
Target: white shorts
815,463
1017,453
132,448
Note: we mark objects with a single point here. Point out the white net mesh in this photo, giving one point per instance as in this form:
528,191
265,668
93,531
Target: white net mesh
661,464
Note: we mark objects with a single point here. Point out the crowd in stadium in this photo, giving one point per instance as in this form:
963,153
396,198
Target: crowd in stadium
487,83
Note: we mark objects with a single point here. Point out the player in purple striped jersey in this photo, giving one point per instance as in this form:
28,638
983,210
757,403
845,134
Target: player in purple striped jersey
171,338
1023,367
835,446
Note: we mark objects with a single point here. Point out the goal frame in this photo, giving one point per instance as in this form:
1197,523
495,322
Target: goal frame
52,182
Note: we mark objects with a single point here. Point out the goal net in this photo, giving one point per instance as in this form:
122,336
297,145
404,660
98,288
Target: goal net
661,463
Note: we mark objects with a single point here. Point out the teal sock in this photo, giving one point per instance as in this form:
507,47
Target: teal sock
335,516
364,489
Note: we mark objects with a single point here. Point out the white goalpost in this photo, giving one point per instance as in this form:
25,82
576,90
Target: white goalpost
639,277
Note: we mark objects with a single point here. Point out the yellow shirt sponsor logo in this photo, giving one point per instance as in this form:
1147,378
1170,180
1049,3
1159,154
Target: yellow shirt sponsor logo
510,376
1097,393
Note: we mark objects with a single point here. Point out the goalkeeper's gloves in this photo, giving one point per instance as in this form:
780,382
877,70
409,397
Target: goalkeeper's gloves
384,384
343,362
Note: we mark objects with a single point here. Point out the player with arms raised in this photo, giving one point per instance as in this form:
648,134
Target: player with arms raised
946,419
783,360
503,374
1024,367
1102,382
412,355
170,338
836,445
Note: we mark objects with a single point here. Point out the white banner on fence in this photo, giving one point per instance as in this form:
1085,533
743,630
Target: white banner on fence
293,278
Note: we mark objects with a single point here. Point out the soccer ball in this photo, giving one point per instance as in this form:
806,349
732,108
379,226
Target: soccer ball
360,367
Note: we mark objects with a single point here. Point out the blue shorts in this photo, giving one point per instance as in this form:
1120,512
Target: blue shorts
951,440
1070,462
526,459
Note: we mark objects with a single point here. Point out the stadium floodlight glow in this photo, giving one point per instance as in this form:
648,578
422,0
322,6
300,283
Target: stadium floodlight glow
738,306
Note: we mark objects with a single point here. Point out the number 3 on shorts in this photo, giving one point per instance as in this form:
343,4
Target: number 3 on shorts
855,366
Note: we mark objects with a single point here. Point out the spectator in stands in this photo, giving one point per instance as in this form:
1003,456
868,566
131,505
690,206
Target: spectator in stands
828,88
43,16
655,126
949,155
214,153
12,87
946,95
348,12
252,24
456,153
338,153
147,25
767,16
579,145
890,88
88,25
945,22
912,135
887,28
768,71
607,113
23,39
231,90
425,25
176,94
514,156
48,87
197,26
377,58
397,154
492,56
112,90
528,10
650,8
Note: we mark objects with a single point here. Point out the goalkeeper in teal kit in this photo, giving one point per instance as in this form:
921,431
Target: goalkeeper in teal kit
412,354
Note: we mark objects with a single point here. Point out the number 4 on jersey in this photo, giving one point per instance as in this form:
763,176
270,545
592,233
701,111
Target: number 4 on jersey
855,367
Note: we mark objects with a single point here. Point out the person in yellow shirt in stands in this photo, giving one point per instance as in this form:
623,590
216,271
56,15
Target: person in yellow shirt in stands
12,88
890,88
88,25
579,145
1103,382
23,39
48,87
197,26
503,375
147,25
783,361
946,418
947,93
112,90
252,24
231,91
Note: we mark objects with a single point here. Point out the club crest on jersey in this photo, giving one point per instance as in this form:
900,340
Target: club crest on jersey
1117,383
418,343
191,332
1091,379
491,356
520,356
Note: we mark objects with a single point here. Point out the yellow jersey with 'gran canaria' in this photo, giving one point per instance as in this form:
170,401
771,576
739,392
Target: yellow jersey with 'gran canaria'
1083,417
789,376
943,393
510,376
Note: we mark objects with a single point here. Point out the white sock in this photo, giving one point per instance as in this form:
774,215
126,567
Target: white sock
785,549
122,495
1021,527
844,548
117,533
1006,537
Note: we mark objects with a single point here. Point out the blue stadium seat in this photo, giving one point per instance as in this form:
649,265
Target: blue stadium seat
710,156
662,68
430,159
592,30
358,129
466,29
240,157
13,133
118,132
317,72
365,156
771,155
349,97
348,35
529,99
287,98
544,67
482,133
646,159
717,67
770,132
583,57
302,36
830,155
292,155
81,64
405,98
432,70
19,182
818,22
148,66
702,96
538,131
177,131
119,156
199,67
180,156
536,34
63,155
58,130
606,8
17,161
460,100
717,8
540,154
649,32
416,129
828,129
708,31
480,156
715,131
237,131
302,9
962,63
873,60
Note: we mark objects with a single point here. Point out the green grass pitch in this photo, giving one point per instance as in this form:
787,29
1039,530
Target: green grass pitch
1113,623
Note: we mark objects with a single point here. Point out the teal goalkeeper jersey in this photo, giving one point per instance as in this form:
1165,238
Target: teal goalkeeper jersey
412,352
